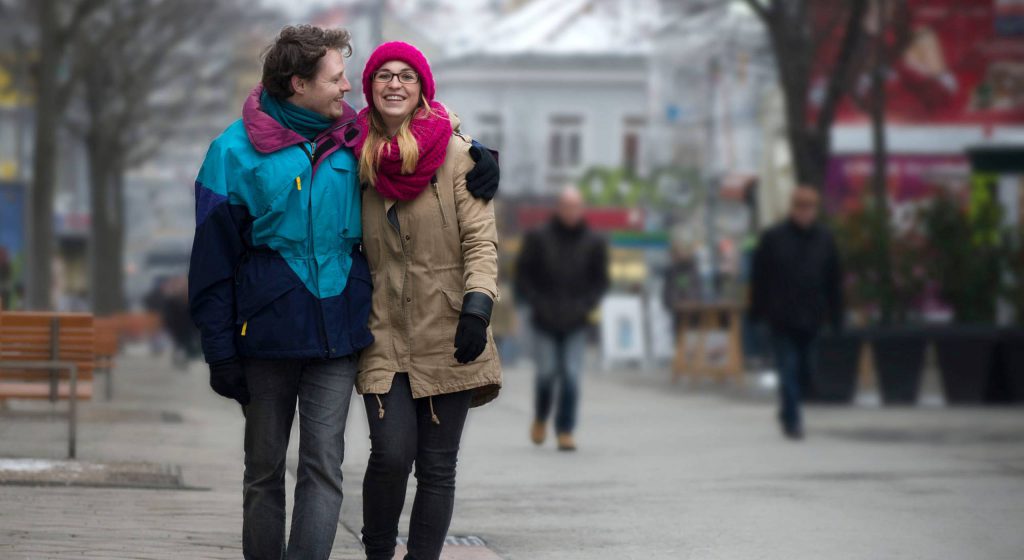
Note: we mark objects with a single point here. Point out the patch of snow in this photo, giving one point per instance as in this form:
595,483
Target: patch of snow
37,465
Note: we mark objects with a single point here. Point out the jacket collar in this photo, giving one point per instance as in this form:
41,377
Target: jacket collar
801,230
267,135
568,231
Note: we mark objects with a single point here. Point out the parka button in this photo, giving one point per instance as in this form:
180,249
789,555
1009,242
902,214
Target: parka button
408,299
408,237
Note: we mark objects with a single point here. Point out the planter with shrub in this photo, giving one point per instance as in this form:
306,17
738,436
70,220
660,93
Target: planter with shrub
835,378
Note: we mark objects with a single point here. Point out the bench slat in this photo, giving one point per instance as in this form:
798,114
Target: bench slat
14,390
27,336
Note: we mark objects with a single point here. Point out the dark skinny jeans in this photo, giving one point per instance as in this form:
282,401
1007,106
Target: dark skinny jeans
407,435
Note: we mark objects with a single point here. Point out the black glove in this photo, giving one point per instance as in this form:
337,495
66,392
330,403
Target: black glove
482,180
227,378
470,338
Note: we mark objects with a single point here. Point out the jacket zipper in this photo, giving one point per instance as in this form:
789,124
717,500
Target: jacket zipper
437,195
321,326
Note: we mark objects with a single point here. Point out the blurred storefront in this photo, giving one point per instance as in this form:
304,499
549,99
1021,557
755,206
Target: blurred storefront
12,244
71,268
957,84
717,123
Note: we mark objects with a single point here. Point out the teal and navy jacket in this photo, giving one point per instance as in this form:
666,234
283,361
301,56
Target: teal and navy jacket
277,270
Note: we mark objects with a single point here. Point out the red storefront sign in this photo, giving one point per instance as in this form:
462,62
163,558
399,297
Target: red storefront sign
601,219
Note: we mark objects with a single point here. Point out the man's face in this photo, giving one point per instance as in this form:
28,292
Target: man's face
324,94
804,206
570,208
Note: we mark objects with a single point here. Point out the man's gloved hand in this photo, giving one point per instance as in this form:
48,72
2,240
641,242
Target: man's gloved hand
470,338
482,180
227,378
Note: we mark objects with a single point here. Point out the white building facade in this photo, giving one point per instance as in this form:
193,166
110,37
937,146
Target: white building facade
558,87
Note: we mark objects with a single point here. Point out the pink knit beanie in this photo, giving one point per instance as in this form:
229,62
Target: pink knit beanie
397,50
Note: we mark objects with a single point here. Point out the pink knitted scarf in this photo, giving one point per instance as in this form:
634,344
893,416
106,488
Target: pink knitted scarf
431,133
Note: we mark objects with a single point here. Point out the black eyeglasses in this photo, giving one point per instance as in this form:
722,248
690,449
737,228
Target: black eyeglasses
406,77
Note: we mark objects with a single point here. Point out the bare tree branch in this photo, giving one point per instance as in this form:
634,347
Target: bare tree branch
840,75
760,9
80,13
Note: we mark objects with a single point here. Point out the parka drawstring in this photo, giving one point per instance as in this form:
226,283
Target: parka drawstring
433,416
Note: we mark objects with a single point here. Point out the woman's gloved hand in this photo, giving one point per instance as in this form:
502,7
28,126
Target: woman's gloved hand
470,338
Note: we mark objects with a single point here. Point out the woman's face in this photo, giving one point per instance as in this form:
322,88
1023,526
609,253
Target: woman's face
395,99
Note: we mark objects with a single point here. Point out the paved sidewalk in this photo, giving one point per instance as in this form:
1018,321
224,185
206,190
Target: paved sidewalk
158,415
662,473
666,472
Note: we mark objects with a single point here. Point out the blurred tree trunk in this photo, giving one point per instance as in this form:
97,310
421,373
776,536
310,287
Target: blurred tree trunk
142,65
107,247
801,32
57,24
44,159
880,188
889,23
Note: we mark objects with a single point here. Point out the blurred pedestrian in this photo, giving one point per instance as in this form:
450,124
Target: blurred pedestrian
279,285
682,282
796,287
435,257
562,273
174,312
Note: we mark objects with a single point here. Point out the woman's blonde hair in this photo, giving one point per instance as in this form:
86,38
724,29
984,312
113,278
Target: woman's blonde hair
377,142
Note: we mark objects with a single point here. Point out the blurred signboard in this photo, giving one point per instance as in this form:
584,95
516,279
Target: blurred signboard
622,328
962,63
910,178
659,329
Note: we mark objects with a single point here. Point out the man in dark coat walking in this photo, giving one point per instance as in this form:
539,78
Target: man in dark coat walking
796,288
562,274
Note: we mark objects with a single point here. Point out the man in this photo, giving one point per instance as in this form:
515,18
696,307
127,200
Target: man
796,287
279,286
561,274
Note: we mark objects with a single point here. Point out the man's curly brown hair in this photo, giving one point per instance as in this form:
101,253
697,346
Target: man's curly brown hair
297,52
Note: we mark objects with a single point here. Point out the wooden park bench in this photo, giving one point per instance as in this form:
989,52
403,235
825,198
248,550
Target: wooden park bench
135,326
51,356
107,346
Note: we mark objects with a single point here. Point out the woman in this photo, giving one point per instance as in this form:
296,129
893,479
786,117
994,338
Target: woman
432,250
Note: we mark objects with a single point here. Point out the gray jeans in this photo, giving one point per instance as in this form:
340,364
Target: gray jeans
323,390
559,360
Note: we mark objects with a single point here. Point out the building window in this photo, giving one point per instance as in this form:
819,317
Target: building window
630,152
489,131
565,144
631,149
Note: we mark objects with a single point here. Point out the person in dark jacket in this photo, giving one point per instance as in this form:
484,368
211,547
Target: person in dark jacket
796,288
562,274
279,285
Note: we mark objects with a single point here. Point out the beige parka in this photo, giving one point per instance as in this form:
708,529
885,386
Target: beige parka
444,245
